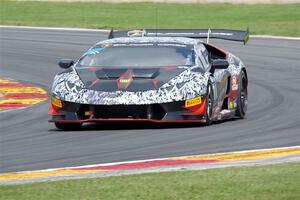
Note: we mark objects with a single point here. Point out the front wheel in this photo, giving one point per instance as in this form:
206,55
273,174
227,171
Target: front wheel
209,105
242,100
68,126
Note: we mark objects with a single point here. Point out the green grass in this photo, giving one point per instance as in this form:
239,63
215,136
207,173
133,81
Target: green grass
246,183
261,19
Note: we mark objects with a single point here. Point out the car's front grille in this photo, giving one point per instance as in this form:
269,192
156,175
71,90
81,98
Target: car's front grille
154,111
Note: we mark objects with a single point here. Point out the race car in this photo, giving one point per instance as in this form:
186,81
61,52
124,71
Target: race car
159,76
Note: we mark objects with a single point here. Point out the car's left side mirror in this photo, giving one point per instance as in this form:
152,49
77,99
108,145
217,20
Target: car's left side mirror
219,64
65,63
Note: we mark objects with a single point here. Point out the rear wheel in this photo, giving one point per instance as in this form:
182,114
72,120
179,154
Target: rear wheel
68,126
209,105
242,100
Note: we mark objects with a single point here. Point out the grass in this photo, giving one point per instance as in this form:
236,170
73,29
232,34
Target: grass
247,183
261,19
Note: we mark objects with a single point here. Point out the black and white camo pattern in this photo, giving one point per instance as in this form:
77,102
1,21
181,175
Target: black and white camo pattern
68,87
189,84
235,65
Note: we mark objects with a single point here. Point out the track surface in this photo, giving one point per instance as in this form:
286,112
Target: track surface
29,142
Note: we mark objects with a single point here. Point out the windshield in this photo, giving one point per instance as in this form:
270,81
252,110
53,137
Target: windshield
139,56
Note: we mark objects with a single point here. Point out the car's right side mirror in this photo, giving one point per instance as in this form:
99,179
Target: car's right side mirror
219,64
65,63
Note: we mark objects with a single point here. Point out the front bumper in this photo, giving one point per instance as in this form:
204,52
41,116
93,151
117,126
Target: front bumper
157,113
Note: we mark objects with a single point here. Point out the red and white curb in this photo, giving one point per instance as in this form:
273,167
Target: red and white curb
15,95
153,165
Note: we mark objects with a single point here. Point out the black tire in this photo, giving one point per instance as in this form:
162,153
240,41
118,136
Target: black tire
242,100
68,126
209,104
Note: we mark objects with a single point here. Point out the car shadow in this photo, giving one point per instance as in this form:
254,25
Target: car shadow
106,126
139,125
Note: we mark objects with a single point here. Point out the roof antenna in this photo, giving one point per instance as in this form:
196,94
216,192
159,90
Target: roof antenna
111,33
208,32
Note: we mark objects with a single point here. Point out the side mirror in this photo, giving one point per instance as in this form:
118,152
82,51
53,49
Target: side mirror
219,64
65,63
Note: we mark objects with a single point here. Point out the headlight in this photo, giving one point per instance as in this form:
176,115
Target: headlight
56,102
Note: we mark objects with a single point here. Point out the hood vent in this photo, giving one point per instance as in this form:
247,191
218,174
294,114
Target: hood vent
109,80
137,73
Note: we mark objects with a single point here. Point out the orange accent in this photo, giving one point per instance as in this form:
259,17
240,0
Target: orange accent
88,113
52,109
56,102
196,110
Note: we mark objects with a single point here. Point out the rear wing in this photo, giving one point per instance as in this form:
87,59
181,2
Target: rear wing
233,35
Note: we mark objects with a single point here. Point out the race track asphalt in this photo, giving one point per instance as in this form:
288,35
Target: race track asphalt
29,142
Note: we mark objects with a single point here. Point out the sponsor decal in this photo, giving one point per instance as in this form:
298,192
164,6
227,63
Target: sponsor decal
234,84
125,79
235,104
193,102
94,51
230,104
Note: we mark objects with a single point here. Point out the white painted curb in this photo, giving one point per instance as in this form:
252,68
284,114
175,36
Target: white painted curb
106,31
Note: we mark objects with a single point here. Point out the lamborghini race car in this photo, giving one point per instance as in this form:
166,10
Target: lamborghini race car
154,76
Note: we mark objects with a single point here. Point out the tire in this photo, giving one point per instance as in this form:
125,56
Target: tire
209,105
68,126
242,100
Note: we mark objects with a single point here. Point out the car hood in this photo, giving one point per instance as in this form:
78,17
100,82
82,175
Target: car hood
127,79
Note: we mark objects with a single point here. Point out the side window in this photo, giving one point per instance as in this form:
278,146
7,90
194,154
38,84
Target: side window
203,56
